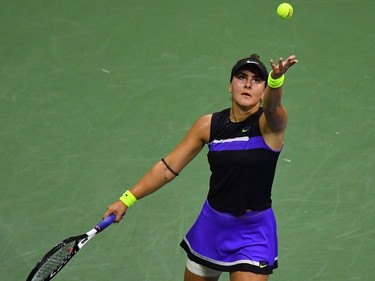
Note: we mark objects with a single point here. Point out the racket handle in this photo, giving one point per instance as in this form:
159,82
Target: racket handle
105,223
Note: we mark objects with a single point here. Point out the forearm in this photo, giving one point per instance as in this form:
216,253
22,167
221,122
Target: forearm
154,179
274,111
272,98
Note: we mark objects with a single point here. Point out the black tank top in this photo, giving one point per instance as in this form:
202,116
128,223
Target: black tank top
242,165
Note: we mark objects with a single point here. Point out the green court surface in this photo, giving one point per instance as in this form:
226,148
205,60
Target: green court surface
93,93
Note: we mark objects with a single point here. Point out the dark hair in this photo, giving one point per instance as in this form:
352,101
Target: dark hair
255,57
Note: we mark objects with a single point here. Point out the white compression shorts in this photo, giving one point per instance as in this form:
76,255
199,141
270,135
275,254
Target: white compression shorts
201,270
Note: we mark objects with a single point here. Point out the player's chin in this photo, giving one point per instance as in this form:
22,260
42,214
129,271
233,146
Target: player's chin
247,101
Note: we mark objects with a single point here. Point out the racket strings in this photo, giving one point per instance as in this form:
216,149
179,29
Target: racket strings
55,262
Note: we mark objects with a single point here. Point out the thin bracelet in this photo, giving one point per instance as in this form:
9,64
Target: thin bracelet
169,168
128,198
275,83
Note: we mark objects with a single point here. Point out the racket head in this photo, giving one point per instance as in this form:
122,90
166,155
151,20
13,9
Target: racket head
55,259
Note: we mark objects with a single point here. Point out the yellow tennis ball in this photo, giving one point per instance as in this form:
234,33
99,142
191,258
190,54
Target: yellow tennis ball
285,10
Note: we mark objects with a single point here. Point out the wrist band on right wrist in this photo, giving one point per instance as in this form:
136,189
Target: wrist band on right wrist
275,83
128,198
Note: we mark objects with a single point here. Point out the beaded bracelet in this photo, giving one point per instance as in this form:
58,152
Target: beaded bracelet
128,198
275,83
169,168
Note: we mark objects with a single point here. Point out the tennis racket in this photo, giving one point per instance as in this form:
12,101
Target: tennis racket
61,254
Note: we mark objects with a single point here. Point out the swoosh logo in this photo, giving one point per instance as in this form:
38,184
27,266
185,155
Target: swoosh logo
244,130
263,264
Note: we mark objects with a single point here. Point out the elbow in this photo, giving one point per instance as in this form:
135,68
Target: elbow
169,174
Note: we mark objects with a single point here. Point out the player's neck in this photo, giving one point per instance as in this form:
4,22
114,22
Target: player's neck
239,114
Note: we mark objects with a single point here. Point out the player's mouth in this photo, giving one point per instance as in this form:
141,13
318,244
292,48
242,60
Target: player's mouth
246,94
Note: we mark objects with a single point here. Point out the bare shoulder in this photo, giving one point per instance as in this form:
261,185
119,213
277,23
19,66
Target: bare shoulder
204,121
202,126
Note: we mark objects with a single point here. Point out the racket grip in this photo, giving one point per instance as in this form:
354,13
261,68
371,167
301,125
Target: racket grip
105,223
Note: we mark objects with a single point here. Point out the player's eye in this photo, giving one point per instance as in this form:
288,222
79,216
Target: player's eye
241,76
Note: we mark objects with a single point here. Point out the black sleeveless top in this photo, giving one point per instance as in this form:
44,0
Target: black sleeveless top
242,165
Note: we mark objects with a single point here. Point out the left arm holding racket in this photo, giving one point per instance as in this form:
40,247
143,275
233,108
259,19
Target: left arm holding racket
169,167
60,255
161,173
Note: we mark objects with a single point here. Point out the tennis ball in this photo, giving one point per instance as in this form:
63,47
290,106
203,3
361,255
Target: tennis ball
285,10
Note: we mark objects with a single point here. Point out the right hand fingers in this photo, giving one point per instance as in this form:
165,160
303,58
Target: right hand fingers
118,208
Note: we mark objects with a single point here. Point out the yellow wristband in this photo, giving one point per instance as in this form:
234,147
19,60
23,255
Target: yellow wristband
275,83
128,198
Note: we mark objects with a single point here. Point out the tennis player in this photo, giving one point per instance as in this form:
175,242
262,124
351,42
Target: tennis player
236,229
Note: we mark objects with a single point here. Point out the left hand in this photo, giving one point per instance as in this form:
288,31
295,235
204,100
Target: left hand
283,66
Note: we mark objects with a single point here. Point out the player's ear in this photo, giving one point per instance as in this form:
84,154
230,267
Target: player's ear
230,88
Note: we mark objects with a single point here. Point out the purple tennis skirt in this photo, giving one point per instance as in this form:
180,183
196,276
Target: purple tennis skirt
229,243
